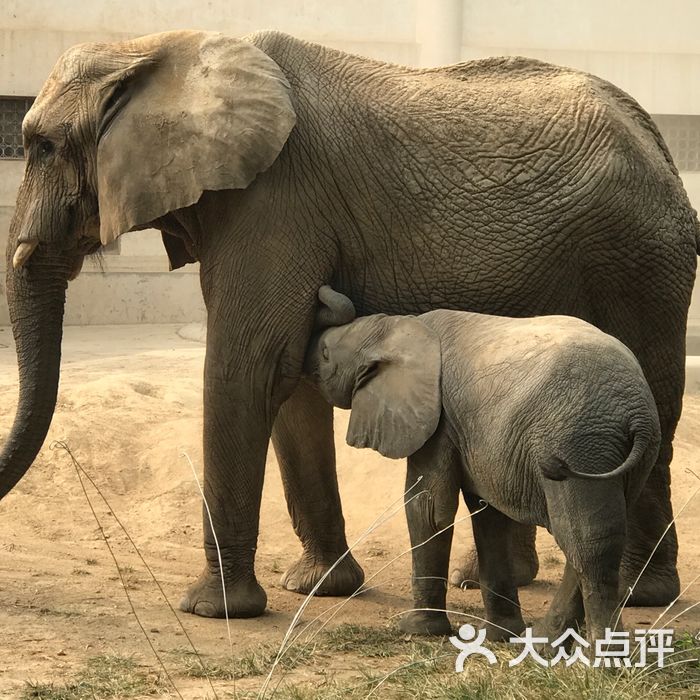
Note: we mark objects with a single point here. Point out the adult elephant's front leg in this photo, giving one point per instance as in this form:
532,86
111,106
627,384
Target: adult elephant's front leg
303,440
236,435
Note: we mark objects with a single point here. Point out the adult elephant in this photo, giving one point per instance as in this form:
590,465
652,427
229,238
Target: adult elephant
504,186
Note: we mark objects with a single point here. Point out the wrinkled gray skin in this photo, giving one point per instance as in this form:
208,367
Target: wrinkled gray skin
548,420
503,186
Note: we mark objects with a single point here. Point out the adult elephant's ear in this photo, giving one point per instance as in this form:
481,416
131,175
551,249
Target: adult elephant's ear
396,404
181,113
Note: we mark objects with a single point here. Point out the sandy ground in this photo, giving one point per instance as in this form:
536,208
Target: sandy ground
130,401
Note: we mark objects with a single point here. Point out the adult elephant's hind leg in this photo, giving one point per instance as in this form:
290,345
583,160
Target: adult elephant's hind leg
649,562
303,440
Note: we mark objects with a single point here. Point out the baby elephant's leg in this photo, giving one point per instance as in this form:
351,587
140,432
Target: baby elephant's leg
431,505
499,590
588,521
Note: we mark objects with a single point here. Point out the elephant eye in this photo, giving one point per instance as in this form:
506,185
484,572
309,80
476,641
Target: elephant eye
45,148
324,352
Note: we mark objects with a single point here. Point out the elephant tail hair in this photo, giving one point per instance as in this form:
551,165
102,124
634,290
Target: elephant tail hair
557,469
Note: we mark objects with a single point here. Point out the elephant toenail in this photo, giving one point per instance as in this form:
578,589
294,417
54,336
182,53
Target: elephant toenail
204,609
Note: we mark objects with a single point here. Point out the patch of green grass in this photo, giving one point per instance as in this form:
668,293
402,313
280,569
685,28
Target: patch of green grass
363,640
255,662
352,662
103,677
424,668
687,642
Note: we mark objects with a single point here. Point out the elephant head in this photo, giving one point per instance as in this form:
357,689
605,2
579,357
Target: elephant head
120,136
386,369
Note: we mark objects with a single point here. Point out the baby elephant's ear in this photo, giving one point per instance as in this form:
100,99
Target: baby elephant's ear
397,405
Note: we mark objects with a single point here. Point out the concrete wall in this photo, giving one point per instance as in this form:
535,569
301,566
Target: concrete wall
647,47
35,32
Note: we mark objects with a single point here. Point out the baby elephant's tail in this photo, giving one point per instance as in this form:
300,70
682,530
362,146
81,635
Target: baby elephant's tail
558,470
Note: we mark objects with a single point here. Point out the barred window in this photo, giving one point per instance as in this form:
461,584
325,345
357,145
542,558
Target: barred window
12,111
682,135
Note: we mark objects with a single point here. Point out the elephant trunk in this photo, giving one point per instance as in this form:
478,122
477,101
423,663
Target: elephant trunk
36,298
336,309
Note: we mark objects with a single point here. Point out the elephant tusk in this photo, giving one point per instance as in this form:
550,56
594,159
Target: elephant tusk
23,253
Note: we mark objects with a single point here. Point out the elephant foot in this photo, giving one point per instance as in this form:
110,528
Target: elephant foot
425,622
656,587
344,580
244,598
466,574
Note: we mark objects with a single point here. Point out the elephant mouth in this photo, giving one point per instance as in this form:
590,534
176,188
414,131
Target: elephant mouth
86,246
76,267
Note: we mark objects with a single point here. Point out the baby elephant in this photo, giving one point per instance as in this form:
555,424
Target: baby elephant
548,420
